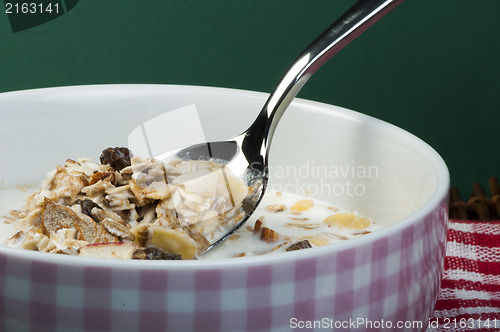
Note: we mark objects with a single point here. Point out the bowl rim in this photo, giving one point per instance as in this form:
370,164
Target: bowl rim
436,199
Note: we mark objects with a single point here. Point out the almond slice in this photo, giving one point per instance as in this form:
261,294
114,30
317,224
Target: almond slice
170,240
174,241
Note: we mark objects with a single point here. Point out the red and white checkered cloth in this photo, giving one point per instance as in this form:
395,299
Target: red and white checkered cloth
469,299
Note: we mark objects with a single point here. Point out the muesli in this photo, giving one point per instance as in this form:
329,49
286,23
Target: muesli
129,207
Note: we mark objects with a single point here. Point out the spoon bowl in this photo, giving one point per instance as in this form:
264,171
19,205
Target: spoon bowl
247,155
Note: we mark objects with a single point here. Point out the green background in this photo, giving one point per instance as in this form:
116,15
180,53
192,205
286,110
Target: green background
430,67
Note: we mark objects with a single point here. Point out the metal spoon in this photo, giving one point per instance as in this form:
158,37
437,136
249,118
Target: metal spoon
247,154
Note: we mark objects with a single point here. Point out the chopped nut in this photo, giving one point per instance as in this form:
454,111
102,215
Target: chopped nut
268,235
258,225
304,244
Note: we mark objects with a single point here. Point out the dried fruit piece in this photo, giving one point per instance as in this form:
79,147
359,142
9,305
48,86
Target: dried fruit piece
87,205
304,244
118,158
302,205
347,220
170,240
155,254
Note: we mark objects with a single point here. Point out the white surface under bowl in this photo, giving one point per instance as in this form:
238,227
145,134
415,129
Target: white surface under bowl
339,156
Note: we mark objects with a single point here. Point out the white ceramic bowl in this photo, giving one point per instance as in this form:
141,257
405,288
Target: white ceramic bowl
387,277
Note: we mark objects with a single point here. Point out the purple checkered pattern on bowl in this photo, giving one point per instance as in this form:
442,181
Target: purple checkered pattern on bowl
393,278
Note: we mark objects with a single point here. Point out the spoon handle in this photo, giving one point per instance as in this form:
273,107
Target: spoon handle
355,21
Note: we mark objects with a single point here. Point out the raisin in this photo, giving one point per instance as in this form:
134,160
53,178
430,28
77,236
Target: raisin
118,158
299,245
87,206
